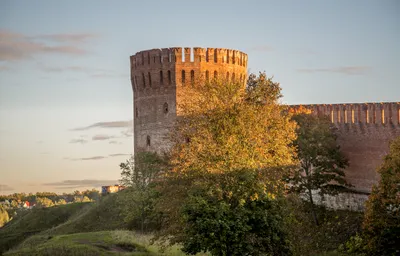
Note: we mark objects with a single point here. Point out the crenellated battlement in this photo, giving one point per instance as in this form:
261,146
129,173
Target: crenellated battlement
355,113
187,54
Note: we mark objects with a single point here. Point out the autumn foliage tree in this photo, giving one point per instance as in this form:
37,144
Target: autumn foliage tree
382,216
227,133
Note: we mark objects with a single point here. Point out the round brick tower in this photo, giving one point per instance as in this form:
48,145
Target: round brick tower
157,75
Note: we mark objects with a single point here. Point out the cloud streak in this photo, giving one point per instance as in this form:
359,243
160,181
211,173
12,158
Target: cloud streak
81,183
102,137
119,154
16,47
80,141
86,158
112,124
4,187
347,70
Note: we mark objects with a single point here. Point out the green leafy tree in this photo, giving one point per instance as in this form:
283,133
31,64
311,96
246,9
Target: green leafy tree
4,218
139,174
382,216
321,163
233,214
44,202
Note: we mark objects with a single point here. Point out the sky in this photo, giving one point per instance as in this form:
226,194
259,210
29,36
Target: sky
65,92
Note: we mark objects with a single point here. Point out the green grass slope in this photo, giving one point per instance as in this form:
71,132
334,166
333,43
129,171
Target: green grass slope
105,214
93,243
34,221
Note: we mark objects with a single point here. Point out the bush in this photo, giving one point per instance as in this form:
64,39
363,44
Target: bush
232,214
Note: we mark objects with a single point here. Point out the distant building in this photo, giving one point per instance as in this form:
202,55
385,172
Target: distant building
111,189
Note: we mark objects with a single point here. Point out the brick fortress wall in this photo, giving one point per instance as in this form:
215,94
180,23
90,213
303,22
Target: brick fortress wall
364,133
159,75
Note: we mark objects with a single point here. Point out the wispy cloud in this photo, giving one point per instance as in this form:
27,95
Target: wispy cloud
66,38
85,158
15,46
4,187
81,183
113,124
101,137
262,48
347,70
81,141
114,142
119,154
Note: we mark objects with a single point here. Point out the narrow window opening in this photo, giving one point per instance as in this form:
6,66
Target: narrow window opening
148,57
215,75
165,108
215,56
345,116
136,112
383,116
169,57
169,77
374,115
367,116
192,77
338,116
149,79
154,59
207,76
161,78
144,81
352,116
142,59
161,59
183,77
187,140
207,56
359,114
233,77
332,120
148,141
233,58
227,57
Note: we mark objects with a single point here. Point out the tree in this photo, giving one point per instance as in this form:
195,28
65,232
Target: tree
44,202
61,202
4,218
139,174
321,163
225,127
232,213
382,216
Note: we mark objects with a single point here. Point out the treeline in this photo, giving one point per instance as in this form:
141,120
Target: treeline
47,199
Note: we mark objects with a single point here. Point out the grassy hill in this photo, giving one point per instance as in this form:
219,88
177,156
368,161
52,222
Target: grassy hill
34,221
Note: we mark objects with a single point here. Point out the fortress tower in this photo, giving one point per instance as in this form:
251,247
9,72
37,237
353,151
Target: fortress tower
159,75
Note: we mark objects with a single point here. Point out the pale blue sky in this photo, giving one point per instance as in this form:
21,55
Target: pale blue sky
65,65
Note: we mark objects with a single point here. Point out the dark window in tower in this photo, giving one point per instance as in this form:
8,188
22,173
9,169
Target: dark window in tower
148,141
207,76
169,77
148,57
165,108
136,112
161,78
215,75
215,56
233,77
149,79
192,77
183,77
144,81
